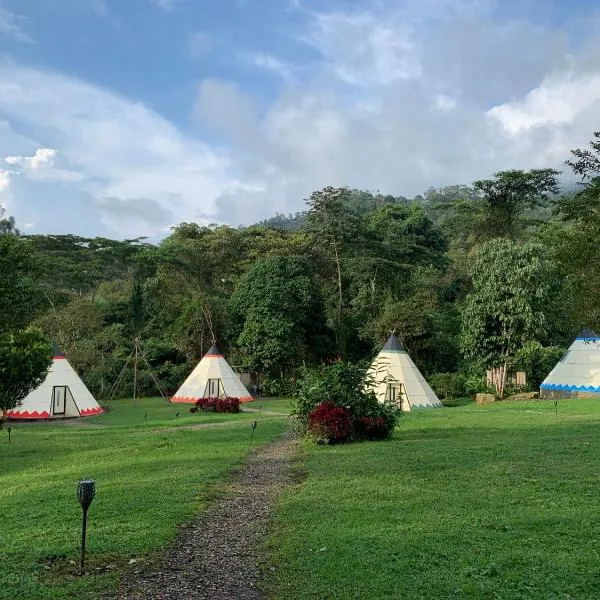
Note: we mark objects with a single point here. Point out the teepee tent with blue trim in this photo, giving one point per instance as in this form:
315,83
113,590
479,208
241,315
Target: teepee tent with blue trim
577,373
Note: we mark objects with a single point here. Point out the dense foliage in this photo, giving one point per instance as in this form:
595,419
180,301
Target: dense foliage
467,276
331,405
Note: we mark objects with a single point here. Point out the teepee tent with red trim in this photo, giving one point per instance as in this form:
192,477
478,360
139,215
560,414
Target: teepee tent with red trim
61,395
212,378
395,378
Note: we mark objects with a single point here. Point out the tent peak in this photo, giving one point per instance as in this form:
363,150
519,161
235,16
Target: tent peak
588,334
56,351
394,344
214,351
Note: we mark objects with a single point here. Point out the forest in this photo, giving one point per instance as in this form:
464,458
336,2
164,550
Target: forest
500,274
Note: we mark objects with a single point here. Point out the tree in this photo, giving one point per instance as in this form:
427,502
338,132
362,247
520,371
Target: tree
336,232
509,194
511,288
17,288
584,206
278,313
25,357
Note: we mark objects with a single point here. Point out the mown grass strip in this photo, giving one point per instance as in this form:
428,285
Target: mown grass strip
472,502
149,478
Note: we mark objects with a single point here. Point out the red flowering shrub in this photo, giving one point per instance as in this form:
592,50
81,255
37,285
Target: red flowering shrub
220,405
227,405
373,428
329,422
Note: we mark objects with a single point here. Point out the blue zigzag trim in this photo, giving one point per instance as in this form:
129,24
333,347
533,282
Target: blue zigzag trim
570,388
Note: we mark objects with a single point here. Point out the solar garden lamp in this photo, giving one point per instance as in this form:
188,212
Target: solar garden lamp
253,425
86,490
9,429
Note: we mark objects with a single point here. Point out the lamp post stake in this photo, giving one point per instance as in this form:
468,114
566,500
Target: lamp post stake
86,491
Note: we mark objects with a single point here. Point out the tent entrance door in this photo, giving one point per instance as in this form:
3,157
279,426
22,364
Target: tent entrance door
59,397
213,388
392,394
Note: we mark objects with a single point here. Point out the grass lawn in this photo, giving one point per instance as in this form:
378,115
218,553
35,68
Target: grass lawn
149,478
499,501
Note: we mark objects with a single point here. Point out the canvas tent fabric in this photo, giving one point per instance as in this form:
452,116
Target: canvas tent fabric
212,378
577,373
61,395
394,377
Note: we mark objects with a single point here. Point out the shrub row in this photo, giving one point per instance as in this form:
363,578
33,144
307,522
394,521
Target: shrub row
220,405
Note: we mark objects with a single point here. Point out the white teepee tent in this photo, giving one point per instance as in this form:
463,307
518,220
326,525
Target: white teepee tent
61,395
577,373
394,377
212,378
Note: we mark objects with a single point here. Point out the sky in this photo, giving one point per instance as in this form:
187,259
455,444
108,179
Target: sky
123,118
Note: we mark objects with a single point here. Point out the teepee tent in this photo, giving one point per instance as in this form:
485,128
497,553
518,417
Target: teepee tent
394,377
61,395
577,373
212,378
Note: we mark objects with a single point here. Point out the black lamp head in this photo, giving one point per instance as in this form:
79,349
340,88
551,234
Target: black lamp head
254,424
86,490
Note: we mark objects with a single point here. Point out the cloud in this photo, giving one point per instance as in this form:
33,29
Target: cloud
410,106
43,158
167,5
4,179
9,26
362,49
395,98
201,43
127,214
268,62
111,148
559,100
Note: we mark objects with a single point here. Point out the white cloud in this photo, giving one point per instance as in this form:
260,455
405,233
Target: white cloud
42,159
268,62
9,26
362,49
4,179
112,148
559,100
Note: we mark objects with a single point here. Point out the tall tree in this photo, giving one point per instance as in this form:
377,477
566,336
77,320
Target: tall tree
18,298
510,194
335,230
511,287
279,314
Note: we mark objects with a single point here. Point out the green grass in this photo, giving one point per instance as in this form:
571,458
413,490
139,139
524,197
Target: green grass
500,501
149,477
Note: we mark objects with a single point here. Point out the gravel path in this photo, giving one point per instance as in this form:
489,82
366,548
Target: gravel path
219,556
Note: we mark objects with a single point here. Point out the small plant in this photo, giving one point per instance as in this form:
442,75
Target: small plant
330,423
220,405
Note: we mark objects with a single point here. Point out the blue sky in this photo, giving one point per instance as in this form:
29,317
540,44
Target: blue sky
125,117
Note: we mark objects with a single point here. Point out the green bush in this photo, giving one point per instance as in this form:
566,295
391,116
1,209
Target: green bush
342,385
448,385
476,384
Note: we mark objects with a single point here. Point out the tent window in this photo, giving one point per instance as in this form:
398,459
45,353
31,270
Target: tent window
59,396
212,388
392,393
